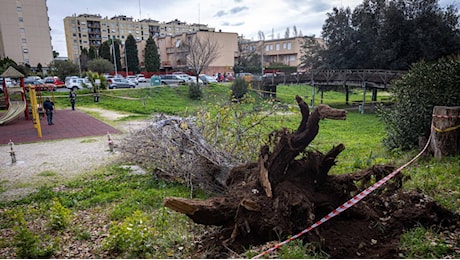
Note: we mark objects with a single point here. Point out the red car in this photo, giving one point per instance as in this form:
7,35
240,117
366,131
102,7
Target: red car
56,81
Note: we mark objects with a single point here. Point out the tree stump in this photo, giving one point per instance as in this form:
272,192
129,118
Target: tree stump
445,134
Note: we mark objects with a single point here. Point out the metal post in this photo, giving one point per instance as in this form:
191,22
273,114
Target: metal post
110,141
12,152
364,97
312,94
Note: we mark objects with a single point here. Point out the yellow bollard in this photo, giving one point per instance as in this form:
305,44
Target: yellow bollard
34,105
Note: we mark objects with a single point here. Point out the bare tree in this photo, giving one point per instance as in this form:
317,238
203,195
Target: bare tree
201,52
294,31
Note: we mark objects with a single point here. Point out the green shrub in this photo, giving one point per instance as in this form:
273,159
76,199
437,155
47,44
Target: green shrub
426,85
28,245
59,216
239,88
134,237
194,91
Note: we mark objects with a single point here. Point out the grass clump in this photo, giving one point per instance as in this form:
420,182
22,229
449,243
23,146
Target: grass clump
423,243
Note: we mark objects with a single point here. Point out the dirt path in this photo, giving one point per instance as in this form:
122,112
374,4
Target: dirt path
56,161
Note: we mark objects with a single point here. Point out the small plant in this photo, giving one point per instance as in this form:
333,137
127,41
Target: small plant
59,216
28,245
47,173
194,91
239,88
134,237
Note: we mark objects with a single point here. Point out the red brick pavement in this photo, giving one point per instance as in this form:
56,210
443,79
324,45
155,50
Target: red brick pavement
67,124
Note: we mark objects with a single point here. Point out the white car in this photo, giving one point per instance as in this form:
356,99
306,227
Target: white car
133,79
78,83
141,78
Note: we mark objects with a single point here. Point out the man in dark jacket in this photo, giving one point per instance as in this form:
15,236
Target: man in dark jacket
49,107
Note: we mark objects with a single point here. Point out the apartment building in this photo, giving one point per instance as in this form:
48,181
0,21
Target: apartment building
86,30
285,51
173,54
25,32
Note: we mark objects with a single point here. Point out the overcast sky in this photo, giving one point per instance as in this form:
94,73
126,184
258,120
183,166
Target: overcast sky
245,17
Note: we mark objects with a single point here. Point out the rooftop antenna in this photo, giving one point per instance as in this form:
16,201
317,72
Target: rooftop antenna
140,10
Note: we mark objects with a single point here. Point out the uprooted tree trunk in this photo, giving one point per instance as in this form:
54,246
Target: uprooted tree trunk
280,193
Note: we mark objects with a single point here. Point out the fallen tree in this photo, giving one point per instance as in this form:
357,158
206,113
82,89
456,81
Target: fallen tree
289,188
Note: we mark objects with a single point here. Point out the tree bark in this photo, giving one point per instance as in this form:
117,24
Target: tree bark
445,134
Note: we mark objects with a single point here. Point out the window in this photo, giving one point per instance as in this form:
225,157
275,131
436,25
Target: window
24,40
26,50
277,46
20,19
289,45
19,9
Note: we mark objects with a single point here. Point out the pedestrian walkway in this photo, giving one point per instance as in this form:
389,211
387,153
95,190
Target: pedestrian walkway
67,124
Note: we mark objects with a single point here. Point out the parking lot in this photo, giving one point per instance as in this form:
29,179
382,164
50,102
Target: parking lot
141,85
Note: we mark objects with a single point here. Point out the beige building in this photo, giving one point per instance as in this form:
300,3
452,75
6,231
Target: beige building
285,51
86,30
173,54
25,32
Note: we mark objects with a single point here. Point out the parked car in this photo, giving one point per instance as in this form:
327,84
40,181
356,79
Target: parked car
120,83
56,81
39,84
141,78
245,75
8,82
207,79
188,79
133,79
78,83
170,79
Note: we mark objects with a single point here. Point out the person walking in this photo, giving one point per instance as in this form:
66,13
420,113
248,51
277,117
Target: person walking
72,97
48,105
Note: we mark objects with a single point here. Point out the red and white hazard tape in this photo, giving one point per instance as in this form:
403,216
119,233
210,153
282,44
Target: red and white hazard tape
347,204
444,116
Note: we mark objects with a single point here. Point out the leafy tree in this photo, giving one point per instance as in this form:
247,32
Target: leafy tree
104,51
427,84
84,57
338,35
39,67
100,65
63,68
311,51
151,56
390,34
5,63
92,54
116,46
132,54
